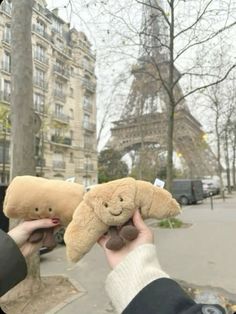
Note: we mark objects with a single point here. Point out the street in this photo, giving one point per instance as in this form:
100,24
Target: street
203,253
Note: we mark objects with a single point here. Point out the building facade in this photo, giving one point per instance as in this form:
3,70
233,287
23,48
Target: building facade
64,97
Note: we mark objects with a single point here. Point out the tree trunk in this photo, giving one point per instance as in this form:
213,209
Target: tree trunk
22,119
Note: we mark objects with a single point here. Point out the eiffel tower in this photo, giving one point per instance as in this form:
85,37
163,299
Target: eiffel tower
143,122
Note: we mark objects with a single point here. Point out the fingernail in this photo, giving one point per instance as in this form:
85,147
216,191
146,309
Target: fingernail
55,220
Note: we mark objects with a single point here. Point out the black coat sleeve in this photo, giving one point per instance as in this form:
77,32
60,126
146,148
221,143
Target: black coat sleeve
165,296
13,267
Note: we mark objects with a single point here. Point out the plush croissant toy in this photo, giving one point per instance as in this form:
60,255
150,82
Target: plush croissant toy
113,204
29,197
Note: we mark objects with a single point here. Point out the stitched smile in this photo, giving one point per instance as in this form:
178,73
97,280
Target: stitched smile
116,214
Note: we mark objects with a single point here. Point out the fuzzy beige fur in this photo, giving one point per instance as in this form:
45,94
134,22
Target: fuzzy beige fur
29,197
113,204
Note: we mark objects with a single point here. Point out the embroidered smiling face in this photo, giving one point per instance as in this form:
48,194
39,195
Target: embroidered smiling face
113,202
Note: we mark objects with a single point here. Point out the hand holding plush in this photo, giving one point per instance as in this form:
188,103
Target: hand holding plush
113,204
30,198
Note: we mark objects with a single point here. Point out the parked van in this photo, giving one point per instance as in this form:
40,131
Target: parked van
187,191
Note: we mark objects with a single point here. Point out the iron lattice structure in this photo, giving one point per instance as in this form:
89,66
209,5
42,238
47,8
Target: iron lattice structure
143,122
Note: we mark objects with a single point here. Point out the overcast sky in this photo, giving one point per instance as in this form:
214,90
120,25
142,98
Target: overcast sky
116,52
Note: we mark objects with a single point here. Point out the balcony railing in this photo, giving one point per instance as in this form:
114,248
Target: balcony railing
59,95
88,146
40,83
40,162
40,31
64,49
5,96
88,167
6,66
39,107
41,58
89,126
61,117
88,106
87,67
61,140
64,72
6,7
58,164
90,86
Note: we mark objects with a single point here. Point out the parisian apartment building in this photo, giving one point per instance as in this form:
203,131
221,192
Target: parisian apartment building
64,87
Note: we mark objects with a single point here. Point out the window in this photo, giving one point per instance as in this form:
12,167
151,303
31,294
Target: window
58,109
71,157
88,142
6,90
39,77
59,89
71,114
57,26
58,160
41,27
71,92
7,33
39,102
87,102
40,53
6,63
71,134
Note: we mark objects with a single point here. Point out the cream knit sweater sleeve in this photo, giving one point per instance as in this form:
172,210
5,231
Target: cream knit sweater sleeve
137,270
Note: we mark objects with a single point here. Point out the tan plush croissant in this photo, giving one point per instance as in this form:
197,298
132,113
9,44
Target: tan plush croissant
29,197
113,204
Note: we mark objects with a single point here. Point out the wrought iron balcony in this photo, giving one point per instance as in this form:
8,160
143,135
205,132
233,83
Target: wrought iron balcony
61,71
40,31
40,57
58,164
88,106
61,140
40,83
88,167
59,95
40,162
90,86
61,117
88,67
89,146
89,126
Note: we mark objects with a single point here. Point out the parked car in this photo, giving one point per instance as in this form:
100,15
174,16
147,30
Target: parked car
187,191
210,187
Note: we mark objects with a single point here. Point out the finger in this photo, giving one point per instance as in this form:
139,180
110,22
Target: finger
138,221
40,223
102,241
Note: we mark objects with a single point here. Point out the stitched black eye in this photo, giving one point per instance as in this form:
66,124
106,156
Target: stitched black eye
36,209
49,209
121,199
105,204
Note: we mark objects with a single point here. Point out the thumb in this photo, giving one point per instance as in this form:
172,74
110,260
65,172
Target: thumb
138,221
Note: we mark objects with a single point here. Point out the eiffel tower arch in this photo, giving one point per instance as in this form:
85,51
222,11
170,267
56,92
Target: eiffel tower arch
143,122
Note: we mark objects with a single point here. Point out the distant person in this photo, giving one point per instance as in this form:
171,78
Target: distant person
138,285
14,247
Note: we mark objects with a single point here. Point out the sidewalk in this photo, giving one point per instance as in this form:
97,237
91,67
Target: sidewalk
203,254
